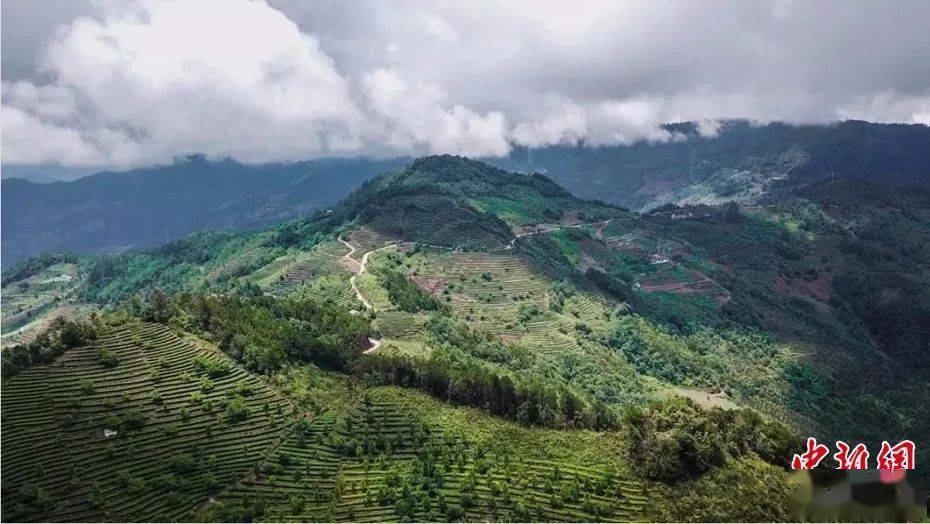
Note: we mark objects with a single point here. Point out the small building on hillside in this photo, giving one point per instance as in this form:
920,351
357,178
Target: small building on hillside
658,259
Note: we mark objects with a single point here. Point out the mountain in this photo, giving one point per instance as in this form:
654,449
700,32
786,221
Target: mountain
453,341
111,212
430,346
750,163
452,201
46,173
742,161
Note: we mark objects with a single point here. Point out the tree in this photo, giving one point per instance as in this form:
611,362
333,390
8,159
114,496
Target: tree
160,308
731,212
237,410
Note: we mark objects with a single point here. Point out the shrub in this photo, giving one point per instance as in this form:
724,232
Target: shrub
405,294
182,463
237,410
212,368
455,513
133,419
206,385
108,357
677,439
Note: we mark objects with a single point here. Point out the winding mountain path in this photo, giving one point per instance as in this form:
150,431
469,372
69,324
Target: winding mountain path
375,344
359,269
549,229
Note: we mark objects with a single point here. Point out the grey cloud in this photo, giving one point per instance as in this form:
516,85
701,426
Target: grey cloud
414,77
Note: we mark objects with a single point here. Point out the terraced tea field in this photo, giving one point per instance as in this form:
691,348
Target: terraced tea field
366,239
391,458
483,289
30,303
325,258
242,264
400,324
142,425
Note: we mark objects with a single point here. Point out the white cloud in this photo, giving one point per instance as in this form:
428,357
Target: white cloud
142,82
709,127
563,122
28,140
890,106
416,116
235,78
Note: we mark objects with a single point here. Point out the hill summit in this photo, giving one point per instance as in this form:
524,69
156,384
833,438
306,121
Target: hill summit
453,201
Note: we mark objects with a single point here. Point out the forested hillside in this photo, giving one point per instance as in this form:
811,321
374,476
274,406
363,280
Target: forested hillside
112,212
457,342
741,161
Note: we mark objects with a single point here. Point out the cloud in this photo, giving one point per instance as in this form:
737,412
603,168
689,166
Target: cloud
29,140
222,78
415,116
563,122
128,84
170,77
890,106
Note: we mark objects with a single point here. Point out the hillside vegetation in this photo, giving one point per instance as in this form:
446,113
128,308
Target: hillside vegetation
741,160
441,349
138,425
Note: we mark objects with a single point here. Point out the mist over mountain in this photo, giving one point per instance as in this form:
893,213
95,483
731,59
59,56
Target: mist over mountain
738,161
109,212
46,173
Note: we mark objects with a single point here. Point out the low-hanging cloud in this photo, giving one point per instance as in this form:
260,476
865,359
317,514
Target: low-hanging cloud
168,78
131,84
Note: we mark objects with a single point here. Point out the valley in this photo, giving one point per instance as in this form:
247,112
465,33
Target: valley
457,342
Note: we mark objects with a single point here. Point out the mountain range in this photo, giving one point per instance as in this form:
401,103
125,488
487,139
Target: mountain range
742,161
431,345
116,211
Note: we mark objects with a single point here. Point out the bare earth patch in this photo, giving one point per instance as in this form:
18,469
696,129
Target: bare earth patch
570,218
701,284
818,288
433,286
706,400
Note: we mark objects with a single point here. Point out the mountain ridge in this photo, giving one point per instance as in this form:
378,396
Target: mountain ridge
110,211
742,161
745,162
702,341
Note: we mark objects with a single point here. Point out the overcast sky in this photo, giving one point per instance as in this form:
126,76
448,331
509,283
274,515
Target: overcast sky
122,84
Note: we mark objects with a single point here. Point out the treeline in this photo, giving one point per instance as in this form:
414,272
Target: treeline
405,294
61,336
613,286
458,371
676,439
450,375
31,266
180,266
264,332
